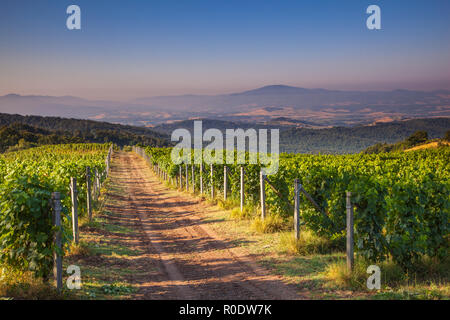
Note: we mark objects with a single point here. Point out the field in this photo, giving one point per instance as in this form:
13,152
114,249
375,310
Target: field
27,180
154,238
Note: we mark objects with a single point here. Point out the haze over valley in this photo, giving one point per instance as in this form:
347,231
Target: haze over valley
276,104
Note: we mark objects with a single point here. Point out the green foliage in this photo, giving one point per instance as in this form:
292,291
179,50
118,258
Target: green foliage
447,136
21,132
26,223
27,180
419,137
401,200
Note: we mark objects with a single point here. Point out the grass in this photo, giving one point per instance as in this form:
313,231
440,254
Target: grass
429,280
20,285
271,224
245,214
104,260
80,249
308,244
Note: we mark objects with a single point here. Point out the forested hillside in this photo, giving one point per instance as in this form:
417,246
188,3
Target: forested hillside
19,132
337,140
340,140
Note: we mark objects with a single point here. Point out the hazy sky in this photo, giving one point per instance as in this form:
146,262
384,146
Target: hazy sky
130,49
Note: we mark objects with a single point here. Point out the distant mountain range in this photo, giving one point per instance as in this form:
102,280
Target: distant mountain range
319,107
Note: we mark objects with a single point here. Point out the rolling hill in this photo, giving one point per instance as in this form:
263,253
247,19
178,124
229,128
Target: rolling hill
320,106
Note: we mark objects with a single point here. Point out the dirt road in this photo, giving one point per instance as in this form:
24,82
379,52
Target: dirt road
184,258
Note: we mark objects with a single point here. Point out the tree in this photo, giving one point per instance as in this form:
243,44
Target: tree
418,137
447,136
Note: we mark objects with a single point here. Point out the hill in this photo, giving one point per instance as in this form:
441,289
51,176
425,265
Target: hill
323,107
341,140
336,140
23,131
417,141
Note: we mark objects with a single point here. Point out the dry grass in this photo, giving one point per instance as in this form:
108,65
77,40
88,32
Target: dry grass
245,214
271,224
80,249
308,244
24,286
430,280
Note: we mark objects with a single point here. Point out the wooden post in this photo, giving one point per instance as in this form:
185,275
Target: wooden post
57,259
97,184
181,178
242,188
350,256
212,181
74,194
88,198
297,187
225,182
263,195
201,178
193,178
94,186
187,177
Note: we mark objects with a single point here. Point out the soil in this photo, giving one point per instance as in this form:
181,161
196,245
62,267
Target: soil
178,254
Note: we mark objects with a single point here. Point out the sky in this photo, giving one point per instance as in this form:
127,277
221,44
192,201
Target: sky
140,48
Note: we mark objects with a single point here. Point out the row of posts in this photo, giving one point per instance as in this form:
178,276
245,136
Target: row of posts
56,202
297,192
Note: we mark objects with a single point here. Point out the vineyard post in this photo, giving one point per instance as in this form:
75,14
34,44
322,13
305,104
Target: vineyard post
57,259
94,186
201,178
212,181
350,255
225,182
187,177
88,199
297,187
97,183
74,193
193,178
181,178
263,194
242,188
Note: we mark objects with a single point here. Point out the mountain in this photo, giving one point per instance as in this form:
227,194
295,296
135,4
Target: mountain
279,90
319,106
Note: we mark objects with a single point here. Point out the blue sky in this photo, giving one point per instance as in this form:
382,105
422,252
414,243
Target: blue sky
141,48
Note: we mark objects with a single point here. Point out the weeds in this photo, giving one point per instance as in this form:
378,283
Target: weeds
429,280
308,244
271,224
24,286
80,249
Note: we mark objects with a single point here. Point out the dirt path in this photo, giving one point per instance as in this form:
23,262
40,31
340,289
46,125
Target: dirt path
184,258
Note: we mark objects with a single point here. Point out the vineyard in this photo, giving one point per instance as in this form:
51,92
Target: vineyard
27,180
401,200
